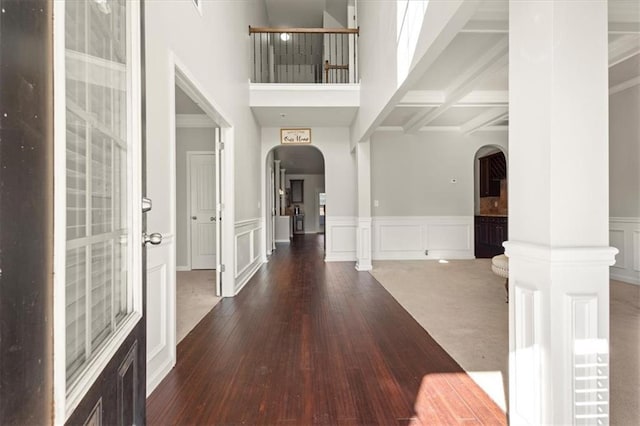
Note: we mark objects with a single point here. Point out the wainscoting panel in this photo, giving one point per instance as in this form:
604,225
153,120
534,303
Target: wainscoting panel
624,234
160,317
527,352
422,237
340,233
247,247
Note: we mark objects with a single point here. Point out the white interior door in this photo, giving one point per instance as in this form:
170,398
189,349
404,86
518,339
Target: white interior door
202,186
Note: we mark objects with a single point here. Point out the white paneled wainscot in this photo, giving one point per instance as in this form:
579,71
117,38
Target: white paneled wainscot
412,237
624,234
340,234
247,250
160,316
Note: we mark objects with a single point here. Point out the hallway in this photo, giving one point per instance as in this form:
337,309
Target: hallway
309,342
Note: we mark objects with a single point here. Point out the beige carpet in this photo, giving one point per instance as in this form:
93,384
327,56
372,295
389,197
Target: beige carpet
462,305
195,295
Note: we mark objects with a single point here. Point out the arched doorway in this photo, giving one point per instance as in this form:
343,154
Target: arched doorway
295,193
490,201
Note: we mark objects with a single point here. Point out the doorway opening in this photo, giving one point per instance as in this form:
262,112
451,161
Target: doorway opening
296,198
198,183
491,201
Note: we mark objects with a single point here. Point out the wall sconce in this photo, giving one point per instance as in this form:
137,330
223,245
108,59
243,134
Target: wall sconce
280,191
284,36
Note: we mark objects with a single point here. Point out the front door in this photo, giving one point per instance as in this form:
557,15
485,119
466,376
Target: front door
99,351
202,183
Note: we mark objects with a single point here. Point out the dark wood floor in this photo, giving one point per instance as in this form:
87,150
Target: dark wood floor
308,342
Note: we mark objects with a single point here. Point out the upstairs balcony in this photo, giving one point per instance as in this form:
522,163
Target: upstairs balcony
304,76
304,55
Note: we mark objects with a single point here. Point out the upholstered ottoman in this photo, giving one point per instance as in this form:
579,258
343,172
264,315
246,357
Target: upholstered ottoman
500,267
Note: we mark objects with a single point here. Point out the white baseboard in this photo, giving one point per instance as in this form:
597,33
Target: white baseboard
283,241
340,257
625,278
183,268
246,277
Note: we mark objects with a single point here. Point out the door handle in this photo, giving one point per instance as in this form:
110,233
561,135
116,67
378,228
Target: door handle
194,217
212,218
153,239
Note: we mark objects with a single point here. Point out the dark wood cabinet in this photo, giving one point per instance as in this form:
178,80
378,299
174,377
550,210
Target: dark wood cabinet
490,232
493,168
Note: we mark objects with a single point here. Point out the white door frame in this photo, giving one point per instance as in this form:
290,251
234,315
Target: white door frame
179,75
189,155
182,78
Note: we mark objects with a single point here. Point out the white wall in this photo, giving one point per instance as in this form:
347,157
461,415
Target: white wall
187,139
226,86
311,186
376,60
624,183
624,153
213,48
411,175
340,186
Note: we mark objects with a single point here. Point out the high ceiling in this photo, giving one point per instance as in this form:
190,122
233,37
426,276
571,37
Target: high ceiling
295,13
466,87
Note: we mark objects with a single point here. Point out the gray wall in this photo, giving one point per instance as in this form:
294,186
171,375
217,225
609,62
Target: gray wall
624,153
411,174
187,139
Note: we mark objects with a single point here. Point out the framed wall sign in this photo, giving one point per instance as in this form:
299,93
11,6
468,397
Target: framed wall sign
295,136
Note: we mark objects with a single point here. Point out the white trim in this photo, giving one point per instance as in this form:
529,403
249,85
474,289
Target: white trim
183,268
244,281
59,235
627,267
348,226
196,121
634,220
407,237
592,256
295,87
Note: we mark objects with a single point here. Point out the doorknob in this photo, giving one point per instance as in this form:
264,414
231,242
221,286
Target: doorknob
154,238
194,217
212,218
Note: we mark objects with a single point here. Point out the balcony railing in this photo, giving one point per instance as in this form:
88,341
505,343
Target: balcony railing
304,55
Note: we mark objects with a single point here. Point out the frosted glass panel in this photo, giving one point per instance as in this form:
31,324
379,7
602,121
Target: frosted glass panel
98,290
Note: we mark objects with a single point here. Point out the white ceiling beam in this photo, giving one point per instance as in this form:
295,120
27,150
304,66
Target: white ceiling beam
485,119
435,98
635,81
624,27
623,48
423,98
486,27
443,21
488,63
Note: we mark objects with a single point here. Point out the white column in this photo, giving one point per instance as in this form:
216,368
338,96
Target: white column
278,187
283,187
363,236
559,252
